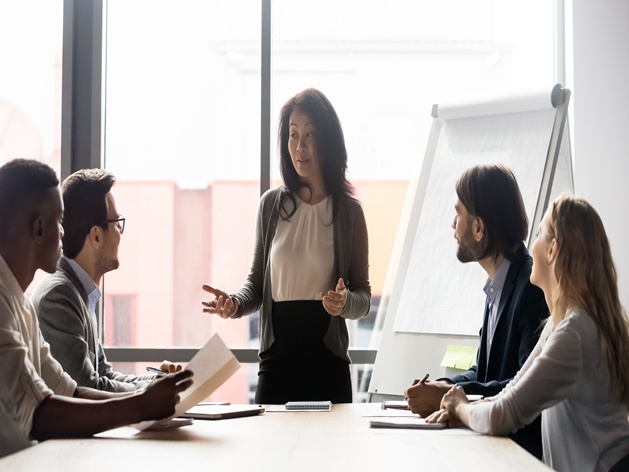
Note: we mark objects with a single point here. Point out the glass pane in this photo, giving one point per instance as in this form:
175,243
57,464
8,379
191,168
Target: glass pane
31,34
383,65
182,136
182,110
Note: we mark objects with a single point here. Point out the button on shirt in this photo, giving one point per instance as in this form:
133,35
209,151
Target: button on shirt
28,373
493,290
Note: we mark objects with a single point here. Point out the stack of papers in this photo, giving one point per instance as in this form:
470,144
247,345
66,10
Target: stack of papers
414,422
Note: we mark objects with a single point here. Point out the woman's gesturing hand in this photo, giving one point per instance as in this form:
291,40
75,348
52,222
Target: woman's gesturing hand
222,305
334,301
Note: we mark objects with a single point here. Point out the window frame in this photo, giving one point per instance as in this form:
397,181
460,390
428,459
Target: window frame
82,128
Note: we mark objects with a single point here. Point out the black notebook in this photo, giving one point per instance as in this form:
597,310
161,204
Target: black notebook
221,412
309,406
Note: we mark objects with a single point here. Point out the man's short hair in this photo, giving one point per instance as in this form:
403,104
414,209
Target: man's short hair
84,195
23,183
491,193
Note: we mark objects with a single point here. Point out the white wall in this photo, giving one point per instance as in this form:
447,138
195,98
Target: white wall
599,80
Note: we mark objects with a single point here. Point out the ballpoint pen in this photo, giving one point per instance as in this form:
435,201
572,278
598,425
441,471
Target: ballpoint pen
417,383
155,370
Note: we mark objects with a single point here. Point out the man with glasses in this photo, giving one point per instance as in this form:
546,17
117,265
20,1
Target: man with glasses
66,301
38,400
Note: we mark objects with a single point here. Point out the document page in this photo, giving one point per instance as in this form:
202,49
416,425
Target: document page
212,366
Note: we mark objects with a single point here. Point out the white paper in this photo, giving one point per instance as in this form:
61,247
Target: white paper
211,367
405,423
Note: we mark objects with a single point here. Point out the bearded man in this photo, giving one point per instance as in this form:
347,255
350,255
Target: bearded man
490,226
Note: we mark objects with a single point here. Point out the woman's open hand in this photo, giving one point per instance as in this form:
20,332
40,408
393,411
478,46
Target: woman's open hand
334,302
223,305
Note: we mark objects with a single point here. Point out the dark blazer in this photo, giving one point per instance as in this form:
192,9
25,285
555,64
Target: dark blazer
521,310
71,330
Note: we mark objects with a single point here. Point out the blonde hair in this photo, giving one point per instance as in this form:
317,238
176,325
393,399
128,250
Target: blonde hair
586,279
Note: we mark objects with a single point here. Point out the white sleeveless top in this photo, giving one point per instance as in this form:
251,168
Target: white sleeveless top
302,254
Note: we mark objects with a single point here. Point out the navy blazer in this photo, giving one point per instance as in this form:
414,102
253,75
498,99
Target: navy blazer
521,311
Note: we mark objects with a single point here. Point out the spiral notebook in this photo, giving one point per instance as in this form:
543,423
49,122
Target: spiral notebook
309,406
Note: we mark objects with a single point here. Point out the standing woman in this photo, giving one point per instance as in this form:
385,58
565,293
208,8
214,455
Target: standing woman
310,267
578,374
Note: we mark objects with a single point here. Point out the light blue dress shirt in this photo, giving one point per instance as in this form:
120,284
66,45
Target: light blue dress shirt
92,290
493,290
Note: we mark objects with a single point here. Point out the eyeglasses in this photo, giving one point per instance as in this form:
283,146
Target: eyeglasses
119,223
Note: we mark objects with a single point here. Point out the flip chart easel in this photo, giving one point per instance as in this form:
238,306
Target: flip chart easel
436,301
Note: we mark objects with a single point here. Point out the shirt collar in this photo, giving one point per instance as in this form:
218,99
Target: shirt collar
494,286
92,290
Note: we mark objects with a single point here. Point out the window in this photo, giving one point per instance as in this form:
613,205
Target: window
30,83
383,65
120,319
182,107
31,32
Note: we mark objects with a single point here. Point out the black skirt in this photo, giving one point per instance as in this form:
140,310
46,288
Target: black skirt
298,366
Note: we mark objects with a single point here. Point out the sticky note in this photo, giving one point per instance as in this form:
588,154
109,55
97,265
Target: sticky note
459,357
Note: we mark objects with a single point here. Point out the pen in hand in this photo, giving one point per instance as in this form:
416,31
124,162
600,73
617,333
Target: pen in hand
416,382
155,370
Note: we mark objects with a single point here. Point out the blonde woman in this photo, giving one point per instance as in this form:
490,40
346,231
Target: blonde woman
578,374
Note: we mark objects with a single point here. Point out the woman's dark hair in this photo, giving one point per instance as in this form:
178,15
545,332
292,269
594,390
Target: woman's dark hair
84,194
330,147
491,193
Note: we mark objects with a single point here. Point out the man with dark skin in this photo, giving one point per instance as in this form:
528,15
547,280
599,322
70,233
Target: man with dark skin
39,400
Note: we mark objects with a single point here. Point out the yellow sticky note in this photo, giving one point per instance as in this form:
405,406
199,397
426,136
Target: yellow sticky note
459,357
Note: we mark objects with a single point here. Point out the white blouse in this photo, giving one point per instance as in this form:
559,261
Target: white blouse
302,254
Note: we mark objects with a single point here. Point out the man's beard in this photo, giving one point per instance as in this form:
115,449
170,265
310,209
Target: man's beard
468,251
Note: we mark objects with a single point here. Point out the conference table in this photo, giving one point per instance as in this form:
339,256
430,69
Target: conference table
339,440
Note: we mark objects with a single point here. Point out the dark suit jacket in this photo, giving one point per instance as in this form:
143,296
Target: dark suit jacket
521,310
70,329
